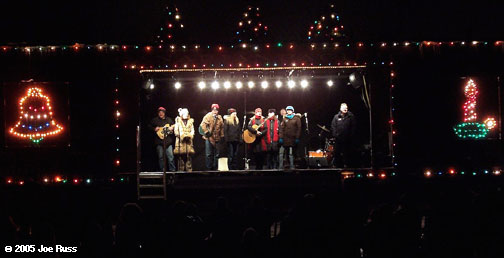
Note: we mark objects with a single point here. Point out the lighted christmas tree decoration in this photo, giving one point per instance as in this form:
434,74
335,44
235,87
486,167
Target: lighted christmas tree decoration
250,27
470,128
171,28
328,28
35,117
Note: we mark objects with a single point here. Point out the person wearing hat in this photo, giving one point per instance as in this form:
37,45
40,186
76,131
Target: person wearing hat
272,127
258,147
184,133
213,130
232,135
158,123
290,131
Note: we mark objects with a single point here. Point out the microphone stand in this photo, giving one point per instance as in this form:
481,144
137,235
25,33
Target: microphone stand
245,158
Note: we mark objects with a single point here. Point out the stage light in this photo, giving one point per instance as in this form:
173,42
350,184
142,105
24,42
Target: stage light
330,83
304,83
264,84
278,84
201,84
215,85
239,84
151,86
291,84
178,85
356,80
227,84
251,84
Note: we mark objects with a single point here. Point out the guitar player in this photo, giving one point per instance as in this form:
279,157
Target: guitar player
258,147
160,122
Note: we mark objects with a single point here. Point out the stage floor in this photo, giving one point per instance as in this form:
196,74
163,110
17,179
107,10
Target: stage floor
309,178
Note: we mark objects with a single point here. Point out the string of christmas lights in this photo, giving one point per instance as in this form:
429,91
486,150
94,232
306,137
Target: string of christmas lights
250,28
393,130
171,28
115,48
453,172
35,117
117,115
328,28
62,180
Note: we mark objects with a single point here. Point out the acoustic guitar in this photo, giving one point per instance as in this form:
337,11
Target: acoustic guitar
160,132
250,137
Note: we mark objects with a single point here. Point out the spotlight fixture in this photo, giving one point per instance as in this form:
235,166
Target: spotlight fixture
304,83
239,85
201,84
215,85
250,84
291,84
178,85
227,84
278,84
264,84
330,83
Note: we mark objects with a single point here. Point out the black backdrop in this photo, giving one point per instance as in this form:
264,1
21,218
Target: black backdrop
319,101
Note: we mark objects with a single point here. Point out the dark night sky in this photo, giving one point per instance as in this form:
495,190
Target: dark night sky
127,21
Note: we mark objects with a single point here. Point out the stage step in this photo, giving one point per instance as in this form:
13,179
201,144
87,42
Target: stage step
151,186
151,197
153,181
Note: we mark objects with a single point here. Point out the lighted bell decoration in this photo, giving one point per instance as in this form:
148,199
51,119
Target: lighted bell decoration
35,117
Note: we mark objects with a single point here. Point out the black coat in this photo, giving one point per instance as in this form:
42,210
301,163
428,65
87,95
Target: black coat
343,127
232,132
158,122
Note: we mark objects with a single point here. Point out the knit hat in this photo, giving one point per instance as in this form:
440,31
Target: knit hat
290,108
161,109
183,111
271,110
215,106
258,110
231,111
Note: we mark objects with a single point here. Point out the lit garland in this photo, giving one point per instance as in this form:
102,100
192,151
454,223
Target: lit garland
496,171
251,47
36,117
55,180
393,131
470,128
171,28
117,115
328,28
250,27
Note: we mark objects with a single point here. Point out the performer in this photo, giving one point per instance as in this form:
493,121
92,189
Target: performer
232,135
212,127
184,133
343,130
258,147
158,123
290,131
272,126
281,117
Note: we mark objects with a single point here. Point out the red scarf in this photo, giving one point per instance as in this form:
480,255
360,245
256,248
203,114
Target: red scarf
275,130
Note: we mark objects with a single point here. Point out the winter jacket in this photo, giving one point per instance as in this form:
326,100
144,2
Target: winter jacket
290,130
272,136
213,128
232,130
343,126
158,122
260,143
184,133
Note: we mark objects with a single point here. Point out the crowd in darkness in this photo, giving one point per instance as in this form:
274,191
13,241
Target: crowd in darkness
443,219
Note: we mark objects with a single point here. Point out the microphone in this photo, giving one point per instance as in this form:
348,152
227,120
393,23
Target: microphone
306,120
